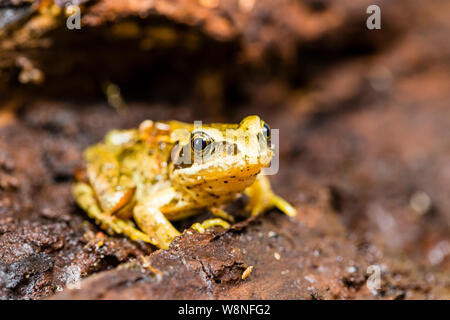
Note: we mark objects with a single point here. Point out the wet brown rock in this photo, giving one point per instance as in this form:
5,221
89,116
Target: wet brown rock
299,261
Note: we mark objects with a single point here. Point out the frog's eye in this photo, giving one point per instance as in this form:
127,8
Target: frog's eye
264,135
266,131
201,142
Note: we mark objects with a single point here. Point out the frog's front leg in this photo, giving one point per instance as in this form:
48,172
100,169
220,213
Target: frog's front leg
221,213
262,198
150,218
215,222
85,197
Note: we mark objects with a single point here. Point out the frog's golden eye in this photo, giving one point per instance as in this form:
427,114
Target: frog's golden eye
201,143
264,135
266,131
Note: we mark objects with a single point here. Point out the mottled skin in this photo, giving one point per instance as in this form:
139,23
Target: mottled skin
166,171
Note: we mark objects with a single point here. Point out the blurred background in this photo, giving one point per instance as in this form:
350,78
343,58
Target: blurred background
363,114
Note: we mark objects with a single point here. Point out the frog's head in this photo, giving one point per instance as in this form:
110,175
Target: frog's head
221,158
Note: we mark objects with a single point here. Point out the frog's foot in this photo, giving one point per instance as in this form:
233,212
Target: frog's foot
262,198
217,222
219,212
150,218
84,196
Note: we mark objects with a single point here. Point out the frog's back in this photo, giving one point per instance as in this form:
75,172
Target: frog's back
127,164
147,165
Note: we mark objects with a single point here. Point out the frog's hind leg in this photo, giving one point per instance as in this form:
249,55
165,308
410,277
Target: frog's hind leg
85,197
148,214
263,198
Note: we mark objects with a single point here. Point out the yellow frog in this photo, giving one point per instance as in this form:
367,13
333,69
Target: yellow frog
166,171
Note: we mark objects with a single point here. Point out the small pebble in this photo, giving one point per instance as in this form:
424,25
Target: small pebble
420,202
351,269
247,272
272,234
310,279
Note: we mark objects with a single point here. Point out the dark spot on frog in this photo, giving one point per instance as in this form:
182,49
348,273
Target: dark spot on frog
225,181
213,195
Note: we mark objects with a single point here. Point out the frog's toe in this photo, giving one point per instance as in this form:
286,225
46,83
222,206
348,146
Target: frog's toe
262,204
217,222
283,205
219,212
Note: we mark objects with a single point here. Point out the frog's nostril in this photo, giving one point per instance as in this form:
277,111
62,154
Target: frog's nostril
234,150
